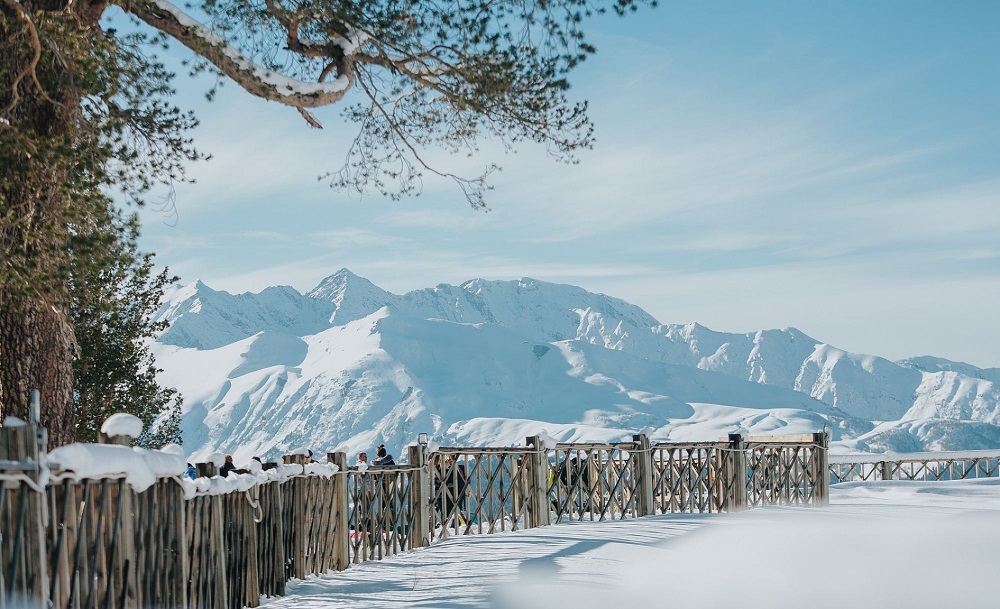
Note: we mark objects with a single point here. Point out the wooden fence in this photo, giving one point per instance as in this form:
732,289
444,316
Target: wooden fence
87,543
936,466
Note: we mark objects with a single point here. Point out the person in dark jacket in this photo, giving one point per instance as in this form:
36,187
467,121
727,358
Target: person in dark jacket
574,475
382,457
451,487
227,467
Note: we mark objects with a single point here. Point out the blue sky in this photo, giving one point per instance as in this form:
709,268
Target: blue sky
829,166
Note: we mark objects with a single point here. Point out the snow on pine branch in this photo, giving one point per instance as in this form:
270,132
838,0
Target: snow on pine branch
219,52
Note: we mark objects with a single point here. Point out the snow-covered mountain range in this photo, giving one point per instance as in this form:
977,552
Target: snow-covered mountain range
349,365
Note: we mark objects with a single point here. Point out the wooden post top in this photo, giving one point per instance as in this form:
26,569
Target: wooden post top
337,458
417,455
19,443
116,440
206,470
294,459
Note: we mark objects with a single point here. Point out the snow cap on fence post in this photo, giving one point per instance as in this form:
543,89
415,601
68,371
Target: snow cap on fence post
120,428
544,442
173,449
217,459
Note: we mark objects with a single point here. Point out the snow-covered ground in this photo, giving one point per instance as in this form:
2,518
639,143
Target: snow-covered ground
884,545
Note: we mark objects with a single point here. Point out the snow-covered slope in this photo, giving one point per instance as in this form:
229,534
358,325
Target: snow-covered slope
350,365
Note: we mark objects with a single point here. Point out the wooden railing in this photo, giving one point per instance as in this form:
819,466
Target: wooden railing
788,470
687,477
382,512
935,466
486,490
594,481
82,543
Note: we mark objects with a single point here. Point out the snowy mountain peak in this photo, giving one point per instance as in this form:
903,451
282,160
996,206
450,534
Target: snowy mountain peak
334,284
353,297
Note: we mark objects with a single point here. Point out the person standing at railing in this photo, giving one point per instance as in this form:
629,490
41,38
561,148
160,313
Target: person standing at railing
362,463
227,467
230,468
382,457
574,476
451,484
459,481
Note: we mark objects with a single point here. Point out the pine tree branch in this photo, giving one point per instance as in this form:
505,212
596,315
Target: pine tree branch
254,78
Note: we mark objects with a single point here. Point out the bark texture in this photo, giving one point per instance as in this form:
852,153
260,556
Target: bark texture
36,339
36,351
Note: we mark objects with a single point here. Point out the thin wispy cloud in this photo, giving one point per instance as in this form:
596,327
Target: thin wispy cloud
435,218
754,167
354,237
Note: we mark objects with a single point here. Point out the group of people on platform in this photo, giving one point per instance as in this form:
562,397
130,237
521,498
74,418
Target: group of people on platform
451,479
382,458
229,467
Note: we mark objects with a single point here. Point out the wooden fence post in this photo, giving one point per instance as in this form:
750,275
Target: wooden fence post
342,513
124,576
885,469
736,476
241,549
206,470
30,567
420,496
821,460
220,559
177,549
538,469
296,495
207,573
642,456
271,541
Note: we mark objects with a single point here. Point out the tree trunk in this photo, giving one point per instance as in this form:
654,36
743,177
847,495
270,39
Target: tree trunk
36,338
37,195
36,351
